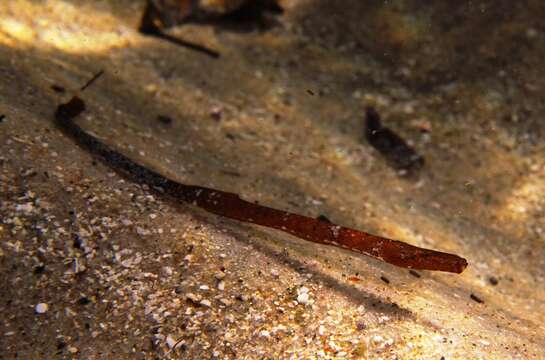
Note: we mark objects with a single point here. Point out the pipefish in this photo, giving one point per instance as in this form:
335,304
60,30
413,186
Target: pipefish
230,205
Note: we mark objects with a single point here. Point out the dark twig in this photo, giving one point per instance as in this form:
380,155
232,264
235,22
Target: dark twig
92,80
148,27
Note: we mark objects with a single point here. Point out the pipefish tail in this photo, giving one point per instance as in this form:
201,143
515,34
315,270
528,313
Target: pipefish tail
230,205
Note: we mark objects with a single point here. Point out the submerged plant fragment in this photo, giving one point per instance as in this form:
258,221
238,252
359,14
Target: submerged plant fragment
155,19
232,206
159,15
168,13
390,145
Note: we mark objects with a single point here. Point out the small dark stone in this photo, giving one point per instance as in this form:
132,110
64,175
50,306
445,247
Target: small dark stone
77,242
493,281
2,118
39,269
385,279
414,273
163,119
216,113
84,301
58,89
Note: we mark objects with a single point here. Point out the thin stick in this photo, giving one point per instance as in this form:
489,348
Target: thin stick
92,80
149,28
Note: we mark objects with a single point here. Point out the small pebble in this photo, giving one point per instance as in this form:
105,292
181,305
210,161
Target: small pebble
321,330
303,298
242,297
41,308
141,231
378,339
189,257
27,207
225,302
172,343
265,334
216,113
221,285
206,303
220,275
194,298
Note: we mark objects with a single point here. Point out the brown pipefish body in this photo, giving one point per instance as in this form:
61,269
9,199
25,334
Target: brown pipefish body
232,206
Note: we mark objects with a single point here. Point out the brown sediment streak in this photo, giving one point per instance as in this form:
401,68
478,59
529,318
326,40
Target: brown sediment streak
232,206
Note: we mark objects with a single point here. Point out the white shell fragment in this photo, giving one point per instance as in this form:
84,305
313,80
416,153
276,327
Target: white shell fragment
41,308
